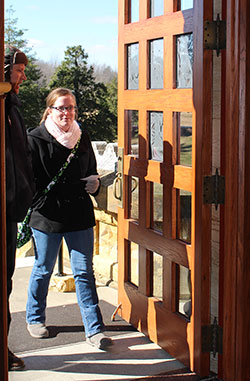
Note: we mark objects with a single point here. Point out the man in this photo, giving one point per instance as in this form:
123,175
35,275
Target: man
19,177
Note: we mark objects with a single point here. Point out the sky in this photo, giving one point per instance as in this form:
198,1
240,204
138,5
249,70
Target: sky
53,25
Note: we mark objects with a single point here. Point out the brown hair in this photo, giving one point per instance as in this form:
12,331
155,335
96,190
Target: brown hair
53,96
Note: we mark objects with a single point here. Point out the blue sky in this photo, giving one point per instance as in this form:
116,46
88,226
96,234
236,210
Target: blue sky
52,25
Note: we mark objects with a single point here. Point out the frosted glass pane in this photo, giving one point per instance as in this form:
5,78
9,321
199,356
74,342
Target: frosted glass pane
156,64
156,135
133,66
134,264
158,206
184,216
185,142
134,189
157,276
184,302
132,131
184,61
156,8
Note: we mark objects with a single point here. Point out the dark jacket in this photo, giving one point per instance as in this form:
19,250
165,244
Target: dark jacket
19,176
67,206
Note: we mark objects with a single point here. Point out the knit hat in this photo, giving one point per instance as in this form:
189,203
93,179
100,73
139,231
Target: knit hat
12,56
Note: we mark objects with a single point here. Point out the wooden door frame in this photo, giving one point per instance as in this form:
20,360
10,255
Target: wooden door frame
3,280
236,292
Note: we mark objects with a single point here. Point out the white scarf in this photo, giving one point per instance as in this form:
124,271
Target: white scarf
66,138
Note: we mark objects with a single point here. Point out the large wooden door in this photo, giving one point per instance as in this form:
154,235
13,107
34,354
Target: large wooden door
164,139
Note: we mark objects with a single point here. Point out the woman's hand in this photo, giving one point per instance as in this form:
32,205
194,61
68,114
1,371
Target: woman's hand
92,183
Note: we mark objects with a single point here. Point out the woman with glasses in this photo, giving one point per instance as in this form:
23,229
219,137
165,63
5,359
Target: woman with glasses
66,212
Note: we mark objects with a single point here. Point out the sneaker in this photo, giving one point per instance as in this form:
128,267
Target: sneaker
14,362
38,331
99,340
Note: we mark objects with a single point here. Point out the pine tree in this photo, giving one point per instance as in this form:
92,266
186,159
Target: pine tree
94,112
32,92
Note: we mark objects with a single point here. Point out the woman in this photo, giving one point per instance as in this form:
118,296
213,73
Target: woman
67,212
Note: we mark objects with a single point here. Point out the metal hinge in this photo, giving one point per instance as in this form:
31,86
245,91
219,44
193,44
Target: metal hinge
214,189
211,337
215,35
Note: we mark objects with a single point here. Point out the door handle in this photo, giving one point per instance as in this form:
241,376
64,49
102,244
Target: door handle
118,182
117,187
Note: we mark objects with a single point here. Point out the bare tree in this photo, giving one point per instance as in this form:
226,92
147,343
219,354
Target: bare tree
104,73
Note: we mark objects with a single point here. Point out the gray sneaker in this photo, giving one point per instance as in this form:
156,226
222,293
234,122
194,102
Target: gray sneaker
99,340
38,331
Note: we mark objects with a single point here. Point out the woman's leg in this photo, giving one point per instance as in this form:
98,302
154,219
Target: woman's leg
80,245
46,247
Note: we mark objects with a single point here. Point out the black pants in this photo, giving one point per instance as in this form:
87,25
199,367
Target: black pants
11,236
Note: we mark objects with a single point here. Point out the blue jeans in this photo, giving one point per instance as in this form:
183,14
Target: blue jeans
80,246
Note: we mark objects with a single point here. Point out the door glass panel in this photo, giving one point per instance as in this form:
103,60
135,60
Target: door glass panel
133,66
157,206
184,304
134,10
157,276
156,8
156,64
134,189
134,264
132,131
184,216
184,138
186,4
156,135
184,61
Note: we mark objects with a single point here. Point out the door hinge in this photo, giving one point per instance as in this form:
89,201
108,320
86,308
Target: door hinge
214,189
211,338
215,35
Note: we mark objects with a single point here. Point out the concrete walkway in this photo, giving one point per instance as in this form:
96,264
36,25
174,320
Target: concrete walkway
131,357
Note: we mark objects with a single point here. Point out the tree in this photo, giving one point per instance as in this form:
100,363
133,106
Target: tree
32,92
47,69
33,96
96,101
94,111
13,35
112,95
104,73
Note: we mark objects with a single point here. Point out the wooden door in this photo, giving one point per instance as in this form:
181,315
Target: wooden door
164,139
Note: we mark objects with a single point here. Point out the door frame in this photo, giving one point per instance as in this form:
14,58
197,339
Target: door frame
236,287
3,277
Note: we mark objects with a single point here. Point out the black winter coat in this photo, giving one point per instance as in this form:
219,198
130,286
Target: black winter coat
67,206
19,176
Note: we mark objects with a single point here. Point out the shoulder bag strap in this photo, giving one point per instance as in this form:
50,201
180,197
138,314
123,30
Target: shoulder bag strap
58,175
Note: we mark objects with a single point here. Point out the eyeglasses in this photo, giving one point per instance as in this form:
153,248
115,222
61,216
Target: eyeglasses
63,108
